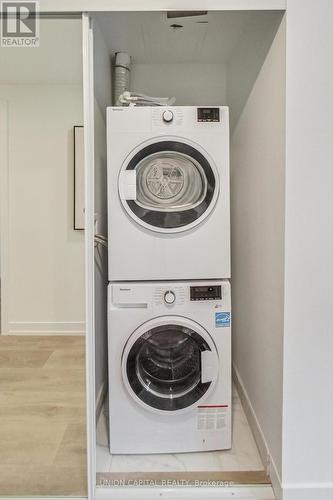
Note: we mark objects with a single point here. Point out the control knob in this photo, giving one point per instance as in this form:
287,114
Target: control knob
167,116
169,297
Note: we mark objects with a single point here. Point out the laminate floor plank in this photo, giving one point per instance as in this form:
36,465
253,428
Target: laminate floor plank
18,358
42,379
70,358
42,413
41,342
31,440
56,406
72,449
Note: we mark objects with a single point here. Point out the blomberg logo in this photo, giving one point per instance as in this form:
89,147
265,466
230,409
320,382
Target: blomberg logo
19,24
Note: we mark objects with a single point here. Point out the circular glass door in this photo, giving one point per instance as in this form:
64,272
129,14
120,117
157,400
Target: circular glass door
163,365
176,186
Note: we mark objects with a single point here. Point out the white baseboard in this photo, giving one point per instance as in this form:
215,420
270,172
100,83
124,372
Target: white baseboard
207,493
307,491
100,399
45,328
259,436
285,491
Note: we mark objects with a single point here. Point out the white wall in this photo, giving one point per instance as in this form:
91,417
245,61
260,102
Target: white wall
45,267
246,60
257,227
191,84
308,337
57,60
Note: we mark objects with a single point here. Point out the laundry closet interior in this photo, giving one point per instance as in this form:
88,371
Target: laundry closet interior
234,59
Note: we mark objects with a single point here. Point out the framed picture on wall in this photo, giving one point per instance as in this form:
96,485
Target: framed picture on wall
78,177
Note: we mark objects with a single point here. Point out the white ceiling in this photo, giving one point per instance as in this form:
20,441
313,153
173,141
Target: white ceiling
148,37
58,59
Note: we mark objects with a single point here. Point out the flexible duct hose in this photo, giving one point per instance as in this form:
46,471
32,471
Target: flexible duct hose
122,72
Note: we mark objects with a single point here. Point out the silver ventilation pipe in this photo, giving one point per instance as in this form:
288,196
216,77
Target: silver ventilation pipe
122,73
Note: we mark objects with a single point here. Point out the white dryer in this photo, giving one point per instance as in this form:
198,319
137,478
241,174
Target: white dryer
168,193
169,367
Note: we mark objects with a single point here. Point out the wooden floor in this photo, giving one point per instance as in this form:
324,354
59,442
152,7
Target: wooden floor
42,416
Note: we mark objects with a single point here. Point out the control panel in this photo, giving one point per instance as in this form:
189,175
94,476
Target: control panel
162,117
209,292
208,114
173,297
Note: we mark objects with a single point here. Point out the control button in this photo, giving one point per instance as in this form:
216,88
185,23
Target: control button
169,297
167,116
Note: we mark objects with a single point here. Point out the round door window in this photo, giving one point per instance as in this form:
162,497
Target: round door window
175,186
163,367
170,182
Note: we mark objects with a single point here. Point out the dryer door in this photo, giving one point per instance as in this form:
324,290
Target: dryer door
170,364
168,186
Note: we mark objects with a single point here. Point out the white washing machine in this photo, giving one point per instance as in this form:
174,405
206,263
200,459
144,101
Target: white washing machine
169,367
168,193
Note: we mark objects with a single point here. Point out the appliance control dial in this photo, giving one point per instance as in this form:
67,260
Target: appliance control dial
167,116
169,297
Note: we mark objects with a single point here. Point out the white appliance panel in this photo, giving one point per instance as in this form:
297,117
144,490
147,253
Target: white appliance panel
145,242
134,426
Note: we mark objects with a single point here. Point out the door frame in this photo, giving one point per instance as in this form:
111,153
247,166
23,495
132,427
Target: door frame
95,493
88,120
73,6
4,219
298,330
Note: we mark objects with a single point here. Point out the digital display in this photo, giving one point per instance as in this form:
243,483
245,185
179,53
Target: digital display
206,292
208,114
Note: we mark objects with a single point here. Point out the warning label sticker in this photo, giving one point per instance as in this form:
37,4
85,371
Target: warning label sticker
213,418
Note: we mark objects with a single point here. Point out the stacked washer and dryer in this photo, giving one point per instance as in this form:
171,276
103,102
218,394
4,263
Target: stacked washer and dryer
169,332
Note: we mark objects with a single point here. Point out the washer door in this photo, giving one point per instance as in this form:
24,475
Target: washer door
170,364
168,186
